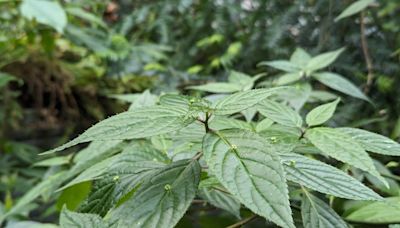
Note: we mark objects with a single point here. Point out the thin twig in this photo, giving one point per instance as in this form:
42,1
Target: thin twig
368,60
242,222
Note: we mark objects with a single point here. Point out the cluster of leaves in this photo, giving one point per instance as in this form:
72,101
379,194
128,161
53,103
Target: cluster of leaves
145,167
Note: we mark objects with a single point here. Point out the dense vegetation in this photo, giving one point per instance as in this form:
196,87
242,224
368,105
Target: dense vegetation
186,113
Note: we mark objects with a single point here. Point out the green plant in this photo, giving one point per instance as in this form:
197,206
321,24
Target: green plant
147,166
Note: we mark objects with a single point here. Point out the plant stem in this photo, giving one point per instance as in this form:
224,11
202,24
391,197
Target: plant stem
242,222
391,176
367,56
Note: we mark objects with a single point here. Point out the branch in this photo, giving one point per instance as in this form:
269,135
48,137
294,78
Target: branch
242,222
367,57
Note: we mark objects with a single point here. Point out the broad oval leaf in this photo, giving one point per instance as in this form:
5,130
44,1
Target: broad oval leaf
387,211
145,122
341,84
46,12
317,214
373,142
163,199
324,178
243,100
280,113
354,8
249,168
322,113
342,147
323,60
281,65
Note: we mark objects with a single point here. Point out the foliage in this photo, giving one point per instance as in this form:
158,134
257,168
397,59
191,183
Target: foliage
201,143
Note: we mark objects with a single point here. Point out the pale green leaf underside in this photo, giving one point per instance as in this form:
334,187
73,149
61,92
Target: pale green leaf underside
387,211
354,8
162,200
341,84
280,113
373,142
324,178
322,113
46,12
317,214
243,100
145,122
342,147
249,168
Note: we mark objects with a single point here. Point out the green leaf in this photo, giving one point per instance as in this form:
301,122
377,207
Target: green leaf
218,87
136,161
96,152
145,122
322,113
300,57
284,139
221,200
323,60
69,219
249,168
373,142
221,123
46,12
321,96
317,214
62,160
85,15
281,65
102,197
341,84
144,99
243,80
387,211
280,113
163,199
264,124
324,178
243,100
73,196
354,8
288,78
5,78
342,147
